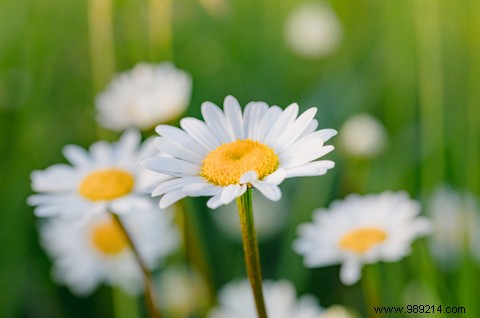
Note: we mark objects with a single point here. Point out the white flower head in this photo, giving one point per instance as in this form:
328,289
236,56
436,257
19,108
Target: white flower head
313,30
361,230
337,311
236,301
454,219
182,292
147,95
107,177
87,254
363,135
270,218
232,150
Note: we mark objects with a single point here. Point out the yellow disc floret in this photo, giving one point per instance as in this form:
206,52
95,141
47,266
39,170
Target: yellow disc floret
108,238
227,163
106,184
361,240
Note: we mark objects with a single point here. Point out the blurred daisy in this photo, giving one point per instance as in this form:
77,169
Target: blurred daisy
230,151
147,95
313,30
454,220
361,230
107,177
88,254
362,135
182,292
270,218
236,301
337,311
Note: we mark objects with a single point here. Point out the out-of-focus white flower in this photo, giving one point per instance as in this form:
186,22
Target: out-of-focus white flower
313,30
455,220
363,136
236,301
232,150
107,177
270,218
147,95
181,292
87,254
337,311
361,230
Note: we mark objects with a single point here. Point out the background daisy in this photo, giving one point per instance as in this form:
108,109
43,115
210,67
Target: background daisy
88,254
105,178
236,301
143,97
232,150
361,230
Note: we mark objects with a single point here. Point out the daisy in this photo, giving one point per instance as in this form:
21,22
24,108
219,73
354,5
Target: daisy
107,177
363,135
232,150
87,254
143,97
313,30
236,301
361,230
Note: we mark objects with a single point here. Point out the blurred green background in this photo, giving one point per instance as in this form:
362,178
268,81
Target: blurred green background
415,65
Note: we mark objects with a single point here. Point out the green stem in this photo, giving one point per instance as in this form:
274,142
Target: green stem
250,249
147,277
370,285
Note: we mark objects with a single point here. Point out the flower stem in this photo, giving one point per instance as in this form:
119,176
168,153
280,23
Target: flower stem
147,277
250,249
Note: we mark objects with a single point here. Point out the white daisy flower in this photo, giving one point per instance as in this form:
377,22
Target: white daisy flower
230,151
182,292
313,30
107,177
236,301
143,97
363,135
87,254
361,230
455,222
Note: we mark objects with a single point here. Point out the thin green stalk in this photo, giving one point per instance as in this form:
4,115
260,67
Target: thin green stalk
250,249
147,277
371,292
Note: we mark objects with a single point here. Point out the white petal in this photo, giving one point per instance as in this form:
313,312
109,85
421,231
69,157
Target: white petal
307,156
215,201
266,124
287,117
170,147
310,128
171,166
248,177
253,115
294,131
350,272
76,155
315,168
216,121
170,198
233,112
128,143
199,131
201,189
181,138
102,153
231,192
275,178
270,191
174,185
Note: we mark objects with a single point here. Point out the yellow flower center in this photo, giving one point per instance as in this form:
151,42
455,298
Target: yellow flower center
108,238
227,163
361,240
106,184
